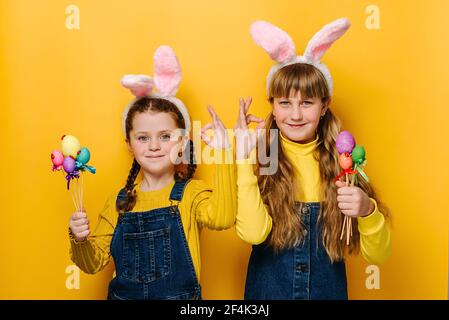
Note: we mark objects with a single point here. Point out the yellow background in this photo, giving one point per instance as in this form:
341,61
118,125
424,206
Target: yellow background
389,92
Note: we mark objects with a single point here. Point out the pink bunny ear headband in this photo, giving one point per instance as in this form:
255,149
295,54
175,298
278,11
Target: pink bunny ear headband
167,77
278,44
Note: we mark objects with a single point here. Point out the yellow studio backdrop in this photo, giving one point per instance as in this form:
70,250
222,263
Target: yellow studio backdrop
56,79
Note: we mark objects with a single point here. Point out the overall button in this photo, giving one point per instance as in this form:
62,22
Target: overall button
302,267
305,210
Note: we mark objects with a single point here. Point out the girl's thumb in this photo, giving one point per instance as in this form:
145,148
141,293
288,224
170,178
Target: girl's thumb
340,184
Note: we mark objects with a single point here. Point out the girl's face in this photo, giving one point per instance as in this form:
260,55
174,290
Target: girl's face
298,118
154,141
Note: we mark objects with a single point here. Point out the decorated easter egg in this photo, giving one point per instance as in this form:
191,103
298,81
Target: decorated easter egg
68,164
70,146
345,142
83,155
345,161
57,158
358,154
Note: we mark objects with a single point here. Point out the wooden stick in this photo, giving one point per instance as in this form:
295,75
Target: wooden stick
354,175
75,190
73,199
78,190
347,232
346,221
82,190
343,228
350,225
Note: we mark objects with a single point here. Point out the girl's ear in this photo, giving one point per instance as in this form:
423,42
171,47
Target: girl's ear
324,110
325,107
276,42
128,143
274,113
324,38
140,85
167,71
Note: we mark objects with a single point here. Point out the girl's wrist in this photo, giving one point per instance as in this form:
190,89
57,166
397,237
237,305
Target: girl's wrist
371,209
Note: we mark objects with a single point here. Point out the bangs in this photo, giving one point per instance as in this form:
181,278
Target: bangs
299,77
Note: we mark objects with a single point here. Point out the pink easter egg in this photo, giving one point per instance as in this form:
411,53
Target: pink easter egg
57,158
345,161
345,142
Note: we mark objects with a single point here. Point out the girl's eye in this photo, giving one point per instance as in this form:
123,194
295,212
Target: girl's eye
307,103
165,137
284,102
143,138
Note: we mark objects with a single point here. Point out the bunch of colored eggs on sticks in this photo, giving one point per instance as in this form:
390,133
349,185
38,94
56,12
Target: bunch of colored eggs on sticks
73,161
352,160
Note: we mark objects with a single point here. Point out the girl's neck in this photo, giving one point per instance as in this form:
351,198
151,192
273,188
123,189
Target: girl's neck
152,182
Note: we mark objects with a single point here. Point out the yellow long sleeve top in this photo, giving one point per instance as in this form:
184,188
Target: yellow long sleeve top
253,222
200,207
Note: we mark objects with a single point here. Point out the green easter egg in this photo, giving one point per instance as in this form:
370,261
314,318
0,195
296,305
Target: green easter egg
358,154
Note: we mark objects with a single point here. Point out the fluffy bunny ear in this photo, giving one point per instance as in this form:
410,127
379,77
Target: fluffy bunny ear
324,38
167,71
140,85
276,42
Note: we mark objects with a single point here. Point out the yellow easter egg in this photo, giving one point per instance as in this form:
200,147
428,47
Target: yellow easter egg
70,146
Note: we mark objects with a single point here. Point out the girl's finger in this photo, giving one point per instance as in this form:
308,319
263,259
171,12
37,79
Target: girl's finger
241,111
208,126
217,120
212,113
79,215
345,191
206,139
253,118
80,222
340,184
77,230
349,213
261,125
247,104
83,234
344,199
345,206
242,122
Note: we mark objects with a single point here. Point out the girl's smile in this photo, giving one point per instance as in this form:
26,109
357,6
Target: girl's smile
155,156
297,125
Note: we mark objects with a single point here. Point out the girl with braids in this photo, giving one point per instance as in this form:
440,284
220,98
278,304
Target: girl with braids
151,228
293,217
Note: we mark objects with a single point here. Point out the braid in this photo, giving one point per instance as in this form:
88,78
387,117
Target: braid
187,173
191,168
130,201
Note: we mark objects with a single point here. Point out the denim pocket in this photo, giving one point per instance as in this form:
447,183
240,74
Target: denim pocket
146,255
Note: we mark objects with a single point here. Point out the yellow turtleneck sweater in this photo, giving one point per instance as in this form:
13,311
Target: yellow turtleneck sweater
200,206
253,222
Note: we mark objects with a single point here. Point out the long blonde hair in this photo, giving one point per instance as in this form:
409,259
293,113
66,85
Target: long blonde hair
279,189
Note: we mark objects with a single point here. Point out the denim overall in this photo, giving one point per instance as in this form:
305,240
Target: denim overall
302,272
151,254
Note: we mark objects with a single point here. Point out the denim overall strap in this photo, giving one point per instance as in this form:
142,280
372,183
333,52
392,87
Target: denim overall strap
302,272
178,190
151,254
